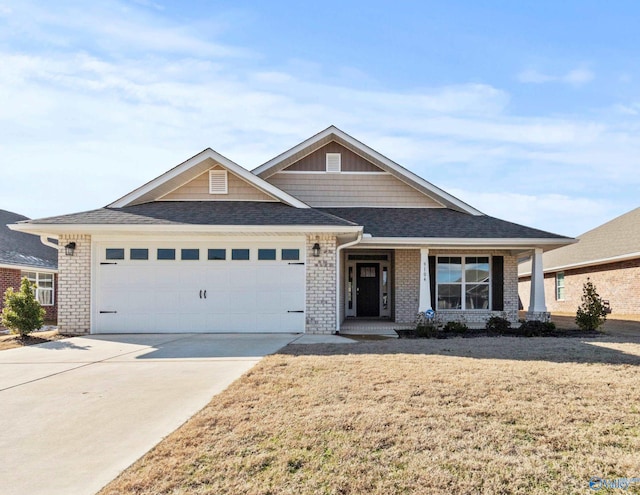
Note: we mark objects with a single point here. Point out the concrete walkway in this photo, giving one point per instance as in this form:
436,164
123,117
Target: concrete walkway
76,412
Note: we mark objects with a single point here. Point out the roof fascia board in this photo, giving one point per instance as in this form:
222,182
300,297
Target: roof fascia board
28,268
261,184
506,243
360,148
584,264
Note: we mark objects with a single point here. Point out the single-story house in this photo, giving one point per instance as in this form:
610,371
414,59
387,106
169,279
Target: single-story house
23,255
608,255
326,232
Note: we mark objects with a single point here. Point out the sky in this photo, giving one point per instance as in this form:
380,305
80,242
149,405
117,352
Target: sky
528,111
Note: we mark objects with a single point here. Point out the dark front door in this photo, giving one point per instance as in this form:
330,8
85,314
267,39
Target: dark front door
368,289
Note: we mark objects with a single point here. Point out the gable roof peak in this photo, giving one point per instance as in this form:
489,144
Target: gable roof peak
191,168
333,133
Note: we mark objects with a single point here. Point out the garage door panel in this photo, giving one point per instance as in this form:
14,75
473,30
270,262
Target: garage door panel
169,295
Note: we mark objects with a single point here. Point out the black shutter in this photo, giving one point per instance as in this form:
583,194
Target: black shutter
497,284
432,280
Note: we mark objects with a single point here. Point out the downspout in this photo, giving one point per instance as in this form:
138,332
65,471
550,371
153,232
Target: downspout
338,294
45,240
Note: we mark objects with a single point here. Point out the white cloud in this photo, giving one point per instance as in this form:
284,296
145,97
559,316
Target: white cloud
574,77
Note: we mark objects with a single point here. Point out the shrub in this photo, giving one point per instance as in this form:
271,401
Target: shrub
536,328
497,325
456,327
591,313
427,327
22,313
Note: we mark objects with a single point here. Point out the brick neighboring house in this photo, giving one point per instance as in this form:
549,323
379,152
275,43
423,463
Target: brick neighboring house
608,255
24,255
327,233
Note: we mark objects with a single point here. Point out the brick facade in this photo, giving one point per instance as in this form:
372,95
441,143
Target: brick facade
407,288
12,278
321,285
406,284
74,297
619,283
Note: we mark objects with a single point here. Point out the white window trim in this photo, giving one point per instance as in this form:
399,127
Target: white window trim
38,289
216,177
330,165
563,287
463,282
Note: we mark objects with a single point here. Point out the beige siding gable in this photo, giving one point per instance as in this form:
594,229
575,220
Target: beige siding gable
316,161
198,190
352,189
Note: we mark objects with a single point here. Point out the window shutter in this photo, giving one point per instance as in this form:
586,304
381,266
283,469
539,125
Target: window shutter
432,280
218,182
333,162
497,284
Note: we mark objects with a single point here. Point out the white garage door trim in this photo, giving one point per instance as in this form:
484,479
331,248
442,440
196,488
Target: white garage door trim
210,296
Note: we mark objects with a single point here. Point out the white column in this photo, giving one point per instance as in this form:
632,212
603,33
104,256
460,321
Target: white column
424,299
537,302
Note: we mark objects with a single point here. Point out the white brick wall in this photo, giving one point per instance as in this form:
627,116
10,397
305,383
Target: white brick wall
74,286
321,285
406,284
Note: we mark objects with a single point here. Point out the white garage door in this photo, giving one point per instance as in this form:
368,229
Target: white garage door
215,287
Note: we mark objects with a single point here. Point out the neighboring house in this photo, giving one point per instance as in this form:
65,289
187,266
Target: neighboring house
609,255
328,231
23,255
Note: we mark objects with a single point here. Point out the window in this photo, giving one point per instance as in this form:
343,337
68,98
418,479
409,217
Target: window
267,254
560,286
44,286
463,282
139,254
290,254
114,254
218,182
166,254
333,162
240,254
217,254
190,254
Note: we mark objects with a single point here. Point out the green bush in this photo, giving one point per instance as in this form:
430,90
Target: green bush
22,313
456,327
591,313
497,325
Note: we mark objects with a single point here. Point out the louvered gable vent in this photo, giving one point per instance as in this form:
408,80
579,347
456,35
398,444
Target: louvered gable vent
218,182
333,162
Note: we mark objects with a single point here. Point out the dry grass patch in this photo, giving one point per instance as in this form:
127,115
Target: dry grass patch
485,415
11,341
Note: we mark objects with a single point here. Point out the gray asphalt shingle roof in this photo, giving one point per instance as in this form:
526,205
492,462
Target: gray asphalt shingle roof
435,222
200,213
20,249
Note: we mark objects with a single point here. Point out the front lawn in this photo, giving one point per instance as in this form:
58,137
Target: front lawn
484,415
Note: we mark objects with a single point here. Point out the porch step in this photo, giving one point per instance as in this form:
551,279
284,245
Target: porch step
381,328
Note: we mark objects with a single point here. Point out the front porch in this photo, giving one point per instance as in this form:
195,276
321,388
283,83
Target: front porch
383,288
370,327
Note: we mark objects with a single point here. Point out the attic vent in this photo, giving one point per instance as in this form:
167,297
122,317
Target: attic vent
333,162
218,182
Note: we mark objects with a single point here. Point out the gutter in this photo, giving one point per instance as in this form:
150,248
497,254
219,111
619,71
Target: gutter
45,240
338,294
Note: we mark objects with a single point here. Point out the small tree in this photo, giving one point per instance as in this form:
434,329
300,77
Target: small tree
591,313
22,313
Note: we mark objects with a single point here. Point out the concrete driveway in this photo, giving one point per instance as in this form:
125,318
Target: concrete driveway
76,412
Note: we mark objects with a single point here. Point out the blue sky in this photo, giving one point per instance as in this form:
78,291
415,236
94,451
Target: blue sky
529,111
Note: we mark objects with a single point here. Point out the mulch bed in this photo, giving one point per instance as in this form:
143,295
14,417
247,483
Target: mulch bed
481,332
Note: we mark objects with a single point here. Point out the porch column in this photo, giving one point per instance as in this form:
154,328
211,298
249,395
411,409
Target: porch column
424,299
536,301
